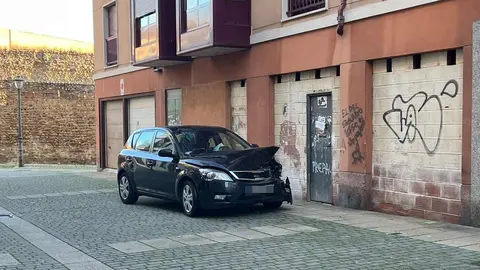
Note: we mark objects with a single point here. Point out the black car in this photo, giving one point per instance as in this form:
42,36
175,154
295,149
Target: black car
201,167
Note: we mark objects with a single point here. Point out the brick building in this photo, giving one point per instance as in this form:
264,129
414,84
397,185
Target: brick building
373,113
58,100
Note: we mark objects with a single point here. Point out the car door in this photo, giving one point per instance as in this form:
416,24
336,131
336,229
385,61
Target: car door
140,158
165,169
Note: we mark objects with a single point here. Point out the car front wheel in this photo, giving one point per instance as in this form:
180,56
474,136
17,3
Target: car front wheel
126,191
190,199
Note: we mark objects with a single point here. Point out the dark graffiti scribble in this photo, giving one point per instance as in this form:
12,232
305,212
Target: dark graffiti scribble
445,92
404,117
353,124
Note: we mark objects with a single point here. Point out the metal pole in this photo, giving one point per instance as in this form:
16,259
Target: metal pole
20,137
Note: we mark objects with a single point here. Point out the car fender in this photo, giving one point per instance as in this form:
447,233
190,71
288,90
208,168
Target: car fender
190,172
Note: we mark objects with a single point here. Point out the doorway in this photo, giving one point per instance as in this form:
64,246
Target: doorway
319,139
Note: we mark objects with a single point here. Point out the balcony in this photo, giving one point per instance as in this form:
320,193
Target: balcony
154,34
212,27
297,7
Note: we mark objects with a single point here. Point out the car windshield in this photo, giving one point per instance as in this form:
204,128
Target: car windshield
198,141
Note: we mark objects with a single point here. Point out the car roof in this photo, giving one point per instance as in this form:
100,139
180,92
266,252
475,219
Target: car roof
174,128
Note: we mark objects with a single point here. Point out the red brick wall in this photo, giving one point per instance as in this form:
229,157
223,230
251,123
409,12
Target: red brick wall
58,124
58,107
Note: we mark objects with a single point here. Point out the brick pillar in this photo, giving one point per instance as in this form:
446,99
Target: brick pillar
160,108
352,184
98,126
260,111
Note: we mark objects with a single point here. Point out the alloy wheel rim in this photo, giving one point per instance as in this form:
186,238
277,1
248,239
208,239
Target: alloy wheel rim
124,187
187,198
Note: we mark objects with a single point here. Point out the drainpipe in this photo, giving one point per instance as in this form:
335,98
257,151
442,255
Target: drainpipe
341,18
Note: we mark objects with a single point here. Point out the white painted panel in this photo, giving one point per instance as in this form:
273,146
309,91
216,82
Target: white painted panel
113,132
141,113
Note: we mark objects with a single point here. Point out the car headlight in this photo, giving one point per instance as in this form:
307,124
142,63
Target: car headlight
211,175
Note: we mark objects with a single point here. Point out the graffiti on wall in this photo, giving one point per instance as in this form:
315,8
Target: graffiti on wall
407,115
353,125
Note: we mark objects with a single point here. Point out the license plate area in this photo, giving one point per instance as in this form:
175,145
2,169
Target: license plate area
264,189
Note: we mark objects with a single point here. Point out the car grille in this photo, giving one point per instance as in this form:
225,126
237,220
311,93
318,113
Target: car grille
258,175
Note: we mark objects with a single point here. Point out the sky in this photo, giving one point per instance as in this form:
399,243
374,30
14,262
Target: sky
72,19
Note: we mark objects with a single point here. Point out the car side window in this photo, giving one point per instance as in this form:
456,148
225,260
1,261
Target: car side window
144,141
162,142
131,142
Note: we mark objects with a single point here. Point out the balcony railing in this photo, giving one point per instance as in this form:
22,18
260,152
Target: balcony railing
296,7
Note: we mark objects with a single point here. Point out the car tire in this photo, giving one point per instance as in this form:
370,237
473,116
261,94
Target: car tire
127,193
189,199
272,205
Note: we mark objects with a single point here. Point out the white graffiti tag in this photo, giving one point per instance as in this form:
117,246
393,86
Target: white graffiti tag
322,168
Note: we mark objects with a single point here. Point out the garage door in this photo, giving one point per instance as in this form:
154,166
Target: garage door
141,113
113,132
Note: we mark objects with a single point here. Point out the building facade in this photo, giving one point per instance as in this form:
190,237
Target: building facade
369,101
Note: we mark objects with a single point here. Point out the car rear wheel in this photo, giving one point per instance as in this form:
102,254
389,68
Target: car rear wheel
272,205
190,199
126,191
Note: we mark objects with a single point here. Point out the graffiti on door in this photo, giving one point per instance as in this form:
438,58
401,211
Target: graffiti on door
406,115
353,125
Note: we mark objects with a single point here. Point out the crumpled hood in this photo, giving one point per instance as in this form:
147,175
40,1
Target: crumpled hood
250,159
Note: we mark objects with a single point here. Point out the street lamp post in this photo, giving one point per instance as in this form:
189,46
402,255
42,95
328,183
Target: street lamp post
18,82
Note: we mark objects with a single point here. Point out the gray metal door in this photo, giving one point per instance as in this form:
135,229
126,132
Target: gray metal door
320,147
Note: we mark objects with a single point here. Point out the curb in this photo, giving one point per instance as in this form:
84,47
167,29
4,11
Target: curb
7,166
50,166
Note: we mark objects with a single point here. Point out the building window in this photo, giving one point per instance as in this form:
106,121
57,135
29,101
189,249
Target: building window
297,7
146,30
174,107
196,13
111,35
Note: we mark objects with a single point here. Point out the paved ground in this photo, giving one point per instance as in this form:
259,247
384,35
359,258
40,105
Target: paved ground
73,219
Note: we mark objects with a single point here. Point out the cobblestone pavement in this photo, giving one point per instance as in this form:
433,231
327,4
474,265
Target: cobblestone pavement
67,219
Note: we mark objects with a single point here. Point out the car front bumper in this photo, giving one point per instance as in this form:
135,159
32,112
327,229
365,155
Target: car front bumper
220,194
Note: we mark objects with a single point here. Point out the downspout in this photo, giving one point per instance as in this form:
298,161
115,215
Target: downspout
341,18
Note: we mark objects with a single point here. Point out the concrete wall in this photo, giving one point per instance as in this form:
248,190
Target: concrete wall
475,173
291,123
238,101
267,14
417,160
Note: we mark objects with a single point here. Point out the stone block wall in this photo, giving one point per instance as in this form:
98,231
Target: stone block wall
238,99
417,122
291,123
58,107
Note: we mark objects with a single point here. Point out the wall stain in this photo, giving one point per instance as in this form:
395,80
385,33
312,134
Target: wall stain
288,139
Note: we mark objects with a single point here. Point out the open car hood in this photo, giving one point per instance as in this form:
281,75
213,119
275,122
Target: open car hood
250,159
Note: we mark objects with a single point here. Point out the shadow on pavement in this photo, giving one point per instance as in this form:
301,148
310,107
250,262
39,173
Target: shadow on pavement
221,213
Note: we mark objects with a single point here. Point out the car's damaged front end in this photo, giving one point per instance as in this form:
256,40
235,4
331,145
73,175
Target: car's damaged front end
243,178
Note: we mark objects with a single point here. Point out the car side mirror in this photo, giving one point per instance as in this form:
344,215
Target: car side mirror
254,145
166,153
